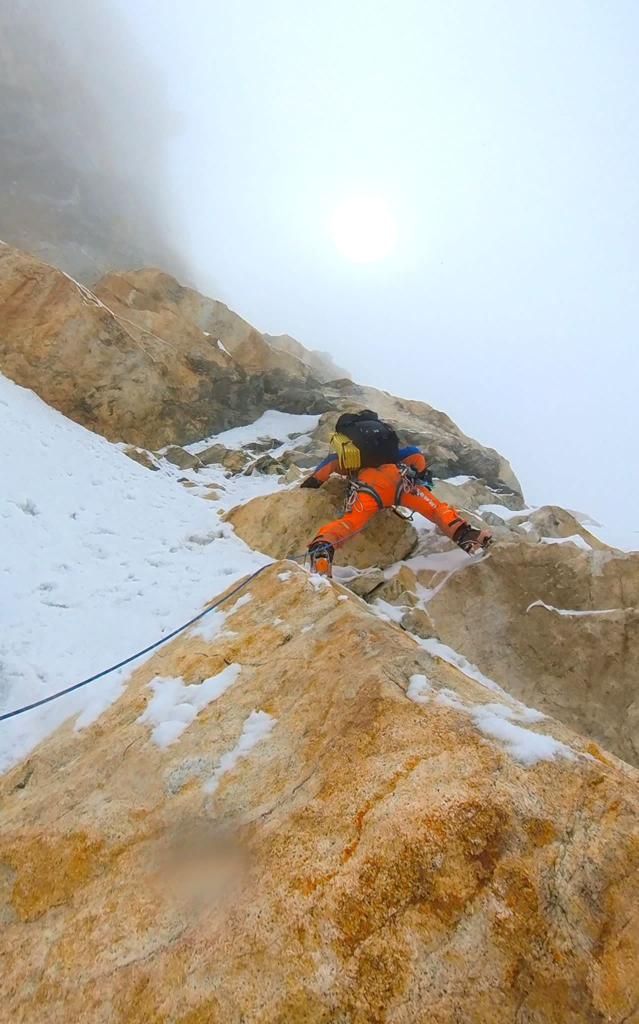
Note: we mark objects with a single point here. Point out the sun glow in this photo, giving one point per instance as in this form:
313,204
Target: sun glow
364,228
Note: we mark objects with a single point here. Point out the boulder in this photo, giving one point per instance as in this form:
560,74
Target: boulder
555,625
320,363
451,452
474,493
554,522
282,524
181,458
130,360
339,831
142,457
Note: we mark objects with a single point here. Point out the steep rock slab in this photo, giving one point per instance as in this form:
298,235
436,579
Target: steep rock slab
117,375
451,452
320,363
282,525
156,301
314,846
555,625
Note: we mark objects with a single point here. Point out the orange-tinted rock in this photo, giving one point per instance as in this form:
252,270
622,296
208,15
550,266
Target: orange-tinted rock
371,860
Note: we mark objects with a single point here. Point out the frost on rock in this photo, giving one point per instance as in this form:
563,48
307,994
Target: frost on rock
209,626
241,601
257,727
319,582
575,539
571,612
175,705
497,722
440,650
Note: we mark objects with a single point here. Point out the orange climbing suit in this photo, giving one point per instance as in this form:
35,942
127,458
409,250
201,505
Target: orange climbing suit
385,487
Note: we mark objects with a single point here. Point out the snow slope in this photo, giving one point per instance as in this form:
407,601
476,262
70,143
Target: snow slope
270,424
98,558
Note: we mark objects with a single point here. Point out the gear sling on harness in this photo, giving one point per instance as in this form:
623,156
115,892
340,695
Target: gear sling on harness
385,487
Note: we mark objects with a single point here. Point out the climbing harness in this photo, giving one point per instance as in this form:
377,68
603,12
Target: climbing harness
146,650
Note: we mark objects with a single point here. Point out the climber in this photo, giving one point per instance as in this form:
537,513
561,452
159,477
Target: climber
381,475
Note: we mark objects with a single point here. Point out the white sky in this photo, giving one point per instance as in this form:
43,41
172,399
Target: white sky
504,135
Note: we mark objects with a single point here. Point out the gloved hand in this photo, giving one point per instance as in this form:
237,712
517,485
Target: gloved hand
471,540
426,479
311,481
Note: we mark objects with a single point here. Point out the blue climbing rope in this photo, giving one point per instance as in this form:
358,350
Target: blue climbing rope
139,654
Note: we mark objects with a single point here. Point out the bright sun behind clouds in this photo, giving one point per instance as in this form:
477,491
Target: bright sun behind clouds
364,228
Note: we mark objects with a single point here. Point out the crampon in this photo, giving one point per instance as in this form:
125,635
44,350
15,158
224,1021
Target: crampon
321,558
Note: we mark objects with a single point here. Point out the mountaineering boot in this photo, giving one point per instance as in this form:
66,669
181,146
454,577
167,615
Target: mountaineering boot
471,540
321,556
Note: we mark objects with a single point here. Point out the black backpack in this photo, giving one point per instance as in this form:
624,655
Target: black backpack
363,441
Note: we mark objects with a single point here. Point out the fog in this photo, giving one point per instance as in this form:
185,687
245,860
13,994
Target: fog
503,135
85,140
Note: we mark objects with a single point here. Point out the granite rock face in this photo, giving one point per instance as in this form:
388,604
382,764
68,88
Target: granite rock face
342,834
137,371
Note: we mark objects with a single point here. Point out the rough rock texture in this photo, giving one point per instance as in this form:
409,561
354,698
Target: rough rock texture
113,372
157,302
144,360
320,363
581,668
451,452
282,524
370,861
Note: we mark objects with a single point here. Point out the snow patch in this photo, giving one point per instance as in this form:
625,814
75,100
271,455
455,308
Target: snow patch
240,603
270,424
439,650
523,745
175,705
575,539
318,582
222,347
388,612
209,627
503,512
107,567
572,613
257,727
458,481
284,576
497,722
419,689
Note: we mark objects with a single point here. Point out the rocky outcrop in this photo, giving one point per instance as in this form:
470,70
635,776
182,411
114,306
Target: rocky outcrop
321,364
551,614
339,831
450,451
555,625
110,369
158,303
282,524
144,360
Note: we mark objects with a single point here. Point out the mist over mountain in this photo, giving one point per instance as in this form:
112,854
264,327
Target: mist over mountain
85,123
